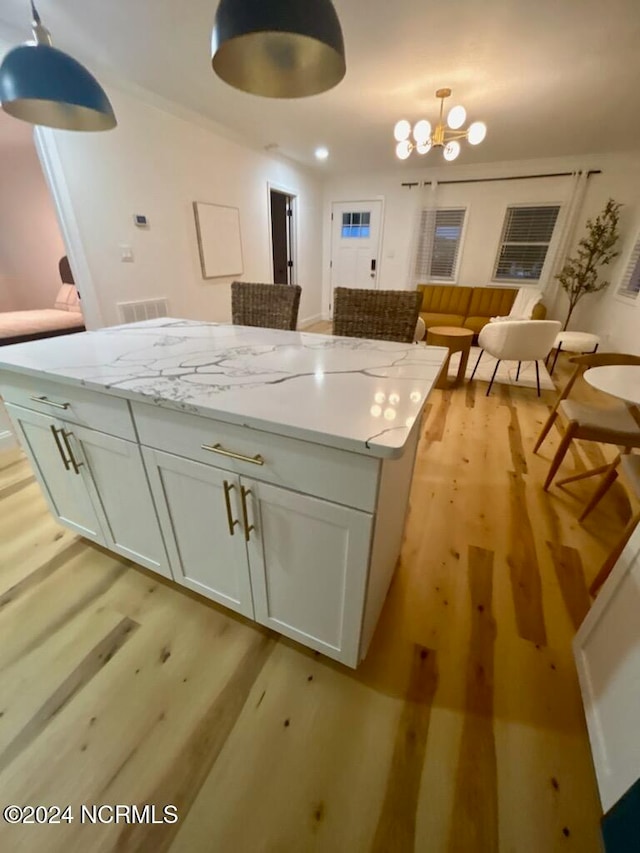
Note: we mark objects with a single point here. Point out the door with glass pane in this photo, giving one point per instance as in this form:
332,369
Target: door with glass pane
355,243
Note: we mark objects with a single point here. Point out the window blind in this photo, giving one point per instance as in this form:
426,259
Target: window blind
630,284
526,235
440,233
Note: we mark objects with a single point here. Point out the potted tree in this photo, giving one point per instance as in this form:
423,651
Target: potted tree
579,275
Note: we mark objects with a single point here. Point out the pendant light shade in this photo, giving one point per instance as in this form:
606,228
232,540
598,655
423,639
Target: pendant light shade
43,85
278,48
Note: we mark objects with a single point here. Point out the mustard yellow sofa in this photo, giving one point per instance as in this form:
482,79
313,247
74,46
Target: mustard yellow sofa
469,307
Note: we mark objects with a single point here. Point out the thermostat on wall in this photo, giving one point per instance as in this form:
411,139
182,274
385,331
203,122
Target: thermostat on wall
140,220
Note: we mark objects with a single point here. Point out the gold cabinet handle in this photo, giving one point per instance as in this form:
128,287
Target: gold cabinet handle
218,448
50,402
230,520
76,465
245,515
60,450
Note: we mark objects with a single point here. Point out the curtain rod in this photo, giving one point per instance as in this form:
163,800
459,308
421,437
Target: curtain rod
509,178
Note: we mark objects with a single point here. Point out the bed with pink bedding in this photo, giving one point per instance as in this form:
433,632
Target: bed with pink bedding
64,318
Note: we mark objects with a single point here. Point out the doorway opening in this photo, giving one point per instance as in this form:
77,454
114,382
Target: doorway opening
282,236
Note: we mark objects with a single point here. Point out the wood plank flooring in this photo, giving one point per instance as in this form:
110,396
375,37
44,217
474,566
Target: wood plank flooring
462,731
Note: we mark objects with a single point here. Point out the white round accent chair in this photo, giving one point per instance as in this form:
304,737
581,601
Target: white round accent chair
517,340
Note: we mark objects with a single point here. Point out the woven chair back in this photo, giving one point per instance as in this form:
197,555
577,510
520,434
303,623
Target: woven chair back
272,306
387,315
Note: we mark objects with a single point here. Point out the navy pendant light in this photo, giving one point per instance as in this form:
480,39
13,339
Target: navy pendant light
278,48
42,85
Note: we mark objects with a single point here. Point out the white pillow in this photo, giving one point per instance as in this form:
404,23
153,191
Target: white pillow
68,299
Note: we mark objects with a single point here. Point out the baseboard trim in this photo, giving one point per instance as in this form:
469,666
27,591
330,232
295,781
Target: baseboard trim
309,321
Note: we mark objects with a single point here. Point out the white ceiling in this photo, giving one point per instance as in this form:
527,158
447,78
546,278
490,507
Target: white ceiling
548,77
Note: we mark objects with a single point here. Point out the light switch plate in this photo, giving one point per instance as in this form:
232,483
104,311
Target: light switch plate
126,254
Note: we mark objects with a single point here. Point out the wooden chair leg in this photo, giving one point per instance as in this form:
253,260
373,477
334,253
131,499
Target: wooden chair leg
473,372
612,559
605,484
495,370
592,472
545,429
567,438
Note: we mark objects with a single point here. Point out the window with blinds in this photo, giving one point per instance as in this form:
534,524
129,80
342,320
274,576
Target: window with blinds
630,284
524,244
439,238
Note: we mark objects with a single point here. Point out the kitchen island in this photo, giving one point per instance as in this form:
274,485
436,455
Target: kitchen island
267,470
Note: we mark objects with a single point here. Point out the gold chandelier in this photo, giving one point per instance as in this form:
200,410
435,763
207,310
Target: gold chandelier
443,136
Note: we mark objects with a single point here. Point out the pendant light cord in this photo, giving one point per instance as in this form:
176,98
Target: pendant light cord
40,33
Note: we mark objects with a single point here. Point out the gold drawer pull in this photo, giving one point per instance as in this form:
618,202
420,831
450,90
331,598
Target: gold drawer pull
50,402
245,515
218,448
75,464
60,450
230,519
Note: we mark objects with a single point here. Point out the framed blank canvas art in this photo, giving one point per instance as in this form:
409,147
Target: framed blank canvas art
219,243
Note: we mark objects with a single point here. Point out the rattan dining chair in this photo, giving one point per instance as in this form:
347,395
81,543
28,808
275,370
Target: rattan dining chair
614,425
273,306
385,315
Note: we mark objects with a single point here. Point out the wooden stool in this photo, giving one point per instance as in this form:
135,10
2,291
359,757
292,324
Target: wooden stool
455,339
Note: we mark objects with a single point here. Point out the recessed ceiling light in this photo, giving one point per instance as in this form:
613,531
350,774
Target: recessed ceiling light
322,153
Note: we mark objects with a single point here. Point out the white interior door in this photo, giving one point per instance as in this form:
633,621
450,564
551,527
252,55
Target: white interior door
355,243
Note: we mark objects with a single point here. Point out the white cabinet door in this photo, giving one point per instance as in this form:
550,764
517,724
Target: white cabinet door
607,652
66,492
116,478
199,508
308,561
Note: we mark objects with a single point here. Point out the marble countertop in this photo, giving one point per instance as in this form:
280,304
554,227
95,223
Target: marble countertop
350,393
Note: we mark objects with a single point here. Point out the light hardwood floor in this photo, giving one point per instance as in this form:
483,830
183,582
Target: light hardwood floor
462,731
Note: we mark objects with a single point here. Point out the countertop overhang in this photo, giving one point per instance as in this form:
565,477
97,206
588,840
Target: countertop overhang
350,393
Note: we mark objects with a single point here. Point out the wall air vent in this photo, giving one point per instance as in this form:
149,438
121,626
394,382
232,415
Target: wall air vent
145,309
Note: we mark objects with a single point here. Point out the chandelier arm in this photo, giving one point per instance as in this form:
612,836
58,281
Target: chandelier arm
455,134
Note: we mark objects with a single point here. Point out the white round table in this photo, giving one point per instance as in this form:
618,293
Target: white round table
620,380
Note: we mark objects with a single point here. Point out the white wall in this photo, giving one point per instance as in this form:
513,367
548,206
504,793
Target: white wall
615,318
30,240
157,164
486,204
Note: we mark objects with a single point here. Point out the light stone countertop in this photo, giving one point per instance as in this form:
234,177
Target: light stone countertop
349,393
